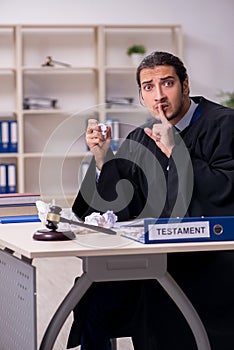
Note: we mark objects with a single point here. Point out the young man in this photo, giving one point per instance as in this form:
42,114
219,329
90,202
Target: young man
179,164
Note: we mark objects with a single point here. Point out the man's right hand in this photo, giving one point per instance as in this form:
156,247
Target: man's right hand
97,142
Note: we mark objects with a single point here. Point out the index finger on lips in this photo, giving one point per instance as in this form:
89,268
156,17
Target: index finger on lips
162,115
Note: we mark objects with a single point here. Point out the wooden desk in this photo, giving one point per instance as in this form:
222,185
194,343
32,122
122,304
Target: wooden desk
107,258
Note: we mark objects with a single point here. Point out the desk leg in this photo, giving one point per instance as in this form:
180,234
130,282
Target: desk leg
117,268
189,312
64,310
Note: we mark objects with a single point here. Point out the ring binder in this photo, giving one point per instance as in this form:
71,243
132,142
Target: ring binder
193,229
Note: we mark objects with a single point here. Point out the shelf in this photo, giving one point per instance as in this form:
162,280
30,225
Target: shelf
116,69
59,70
7,113
55,155
51,142
7,70
9,155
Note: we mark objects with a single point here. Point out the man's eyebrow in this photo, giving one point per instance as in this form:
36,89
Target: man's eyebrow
167,77
147,81
162,79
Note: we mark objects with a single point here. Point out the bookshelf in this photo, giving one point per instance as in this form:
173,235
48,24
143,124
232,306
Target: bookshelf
51,145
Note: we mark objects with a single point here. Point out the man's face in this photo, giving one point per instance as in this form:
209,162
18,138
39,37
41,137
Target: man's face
161,86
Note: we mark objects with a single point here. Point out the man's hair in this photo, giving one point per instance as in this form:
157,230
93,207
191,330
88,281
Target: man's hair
159,58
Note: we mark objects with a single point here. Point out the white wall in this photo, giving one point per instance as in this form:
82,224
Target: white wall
207,25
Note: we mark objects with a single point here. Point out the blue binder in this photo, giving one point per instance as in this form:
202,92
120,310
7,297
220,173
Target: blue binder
4,136
3,178
11,178
13,136
115,131
193,229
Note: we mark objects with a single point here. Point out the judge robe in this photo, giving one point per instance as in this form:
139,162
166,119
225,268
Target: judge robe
140,181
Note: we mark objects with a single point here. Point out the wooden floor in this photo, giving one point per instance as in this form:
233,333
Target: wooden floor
55,277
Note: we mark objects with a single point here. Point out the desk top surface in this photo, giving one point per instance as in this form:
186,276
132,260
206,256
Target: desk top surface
19,238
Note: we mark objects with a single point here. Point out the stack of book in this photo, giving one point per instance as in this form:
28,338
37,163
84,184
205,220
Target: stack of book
39,103
120,102
18,207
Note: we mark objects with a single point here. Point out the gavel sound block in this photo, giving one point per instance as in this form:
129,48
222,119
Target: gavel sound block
52,233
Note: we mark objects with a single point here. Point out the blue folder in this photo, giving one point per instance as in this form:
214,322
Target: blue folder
193,229
19,219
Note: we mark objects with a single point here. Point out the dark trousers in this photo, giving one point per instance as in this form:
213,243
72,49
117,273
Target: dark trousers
143,310
110,313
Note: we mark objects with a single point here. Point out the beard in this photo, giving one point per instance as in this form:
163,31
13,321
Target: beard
177,114
173,116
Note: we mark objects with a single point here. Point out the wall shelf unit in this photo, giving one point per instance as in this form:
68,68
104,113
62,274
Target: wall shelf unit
51,145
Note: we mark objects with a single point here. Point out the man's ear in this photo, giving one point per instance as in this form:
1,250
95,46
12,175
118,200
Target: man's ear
141,97
140,94
186,89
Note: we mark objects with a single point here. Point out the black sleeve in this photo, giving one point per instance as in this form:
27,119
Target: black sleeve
117,188
213,165
201,176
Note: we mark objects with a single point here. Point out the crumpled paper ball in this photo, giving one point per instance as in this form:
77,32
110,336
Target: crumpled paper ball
108,219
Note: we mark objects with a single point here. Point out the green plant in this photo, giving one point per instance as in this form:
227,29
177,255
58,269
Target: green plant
136,49
227,98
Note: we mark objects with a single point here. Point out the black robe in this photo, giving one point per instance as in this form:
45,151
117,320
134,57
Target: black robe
197,180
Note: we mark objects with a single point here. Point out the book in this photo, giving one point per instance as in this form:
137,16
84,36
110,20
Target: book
18,198
16,210
19,219
120,102
39,103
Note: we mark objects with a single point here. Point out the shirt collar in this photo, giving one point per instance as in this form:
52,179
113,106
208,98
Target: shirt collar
185,121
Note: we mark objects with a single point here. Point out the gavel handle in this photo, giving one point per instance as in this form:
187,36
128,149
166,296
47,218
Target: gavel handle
90,227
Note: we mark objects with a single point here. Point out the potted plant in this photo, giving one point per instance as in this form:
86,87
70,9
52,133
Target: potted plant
136,53
227,98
